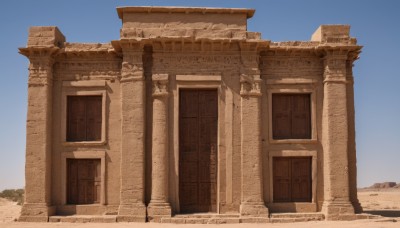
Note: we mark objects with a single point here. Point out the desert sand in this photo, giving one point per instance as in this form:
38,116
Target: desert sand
378,201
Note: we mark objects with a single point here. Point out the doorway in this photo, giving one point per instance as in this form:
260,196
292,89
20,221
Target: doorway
198,128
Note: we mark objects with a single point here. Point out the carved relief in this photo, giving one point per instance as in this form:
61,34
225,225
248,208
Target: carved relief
160,85
176,61
40,71
250,85
84,69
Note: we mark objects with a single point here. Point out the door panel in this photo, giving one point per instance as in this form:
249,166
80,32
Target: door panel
198,119
292,179
84,181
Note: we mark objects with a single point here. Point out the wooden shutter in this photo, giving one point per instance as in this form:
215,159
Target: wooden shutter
281,116
93,118
291,116
76,129
84,118
301,116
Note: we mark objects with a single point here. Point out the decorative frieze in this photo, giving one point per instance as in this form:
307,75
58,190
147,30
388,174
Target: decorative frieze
194,61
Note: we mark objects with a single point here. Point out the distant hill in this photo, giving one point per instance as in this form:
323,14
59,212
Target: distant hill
384,185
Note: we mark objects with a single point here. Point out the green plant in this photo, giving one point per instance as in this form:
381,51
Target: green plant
16,195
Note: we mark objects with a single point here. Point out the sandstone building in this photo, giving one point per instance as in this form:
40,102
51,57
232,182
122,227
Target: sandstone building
189,113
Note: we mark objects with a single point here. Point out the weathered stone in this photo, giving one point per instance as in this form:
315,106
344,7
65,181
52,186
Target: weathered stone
162,51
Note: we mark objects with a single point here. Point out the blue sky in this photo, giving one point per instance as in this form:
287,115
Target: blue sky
377,77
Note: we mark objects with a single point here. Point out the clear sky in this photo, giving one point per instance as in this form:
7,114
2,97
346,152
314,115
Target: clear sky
376,25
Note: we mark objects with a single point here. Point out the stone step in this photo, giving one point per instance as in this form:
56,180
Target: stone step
207,215
296,217
84,218
213,219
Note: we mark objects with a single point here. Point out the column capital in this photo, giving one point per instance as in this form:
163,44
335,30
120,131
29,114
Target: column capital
335,66
132,63
160,85
250,85
41,64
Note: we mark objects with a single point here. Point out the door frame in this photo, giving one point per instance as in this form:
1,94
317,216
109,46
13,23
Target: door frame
190,82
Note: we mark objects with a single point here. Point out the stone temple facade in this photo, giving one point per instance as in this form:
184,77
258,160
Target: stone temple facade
189,117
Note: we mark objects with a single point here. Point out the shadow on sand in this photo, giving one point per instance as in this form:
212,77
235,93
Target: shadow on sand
384,213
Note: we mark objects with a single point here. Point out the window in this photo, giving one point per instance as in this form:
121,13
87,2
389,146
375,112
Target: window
291,116
84,118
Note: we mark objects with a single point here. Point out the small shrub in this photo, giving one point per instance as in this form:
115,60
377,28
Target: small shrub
16,195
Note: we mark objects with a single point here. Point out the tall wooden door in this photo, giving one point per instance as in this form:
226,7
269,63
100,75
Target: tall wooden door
198,119
84,181
292,179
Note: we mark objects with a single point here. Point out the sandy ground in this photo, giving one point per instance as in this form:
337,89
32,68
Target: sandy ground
385,203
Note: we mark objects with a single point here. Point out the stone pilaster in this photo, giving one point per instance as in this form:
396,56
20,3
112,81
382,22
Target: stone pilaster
159,206
352,134
252,203
335,136
43,43
132,207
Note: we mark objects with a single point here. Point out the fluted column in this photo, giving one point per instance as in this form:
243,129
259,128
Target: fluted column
132,208
335,136
252,203
159,206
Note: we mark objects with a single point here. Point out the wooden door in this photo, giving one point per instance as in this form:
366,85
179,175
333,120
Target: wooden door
292,179
83,181
198,119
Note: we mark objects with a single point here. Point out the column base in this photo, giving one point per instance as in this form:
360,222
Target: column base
132,213
36,212
338,211
156,211
254,210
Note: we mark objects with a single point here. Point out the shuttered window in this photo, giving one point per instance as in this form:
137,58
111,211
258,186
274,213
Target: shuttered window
84,118
291,116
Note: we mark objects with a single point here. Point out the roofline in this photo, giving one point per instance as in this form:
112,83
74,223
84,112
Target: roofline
176,9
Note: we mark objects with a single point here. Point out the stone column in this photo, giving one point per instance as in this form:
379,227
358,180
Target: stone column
252,203
335,136
43,43
159,206
132,208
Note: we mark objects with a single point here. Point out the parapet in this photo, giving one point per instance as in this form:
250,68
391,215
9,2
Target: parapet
333,34
45,36
185,22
